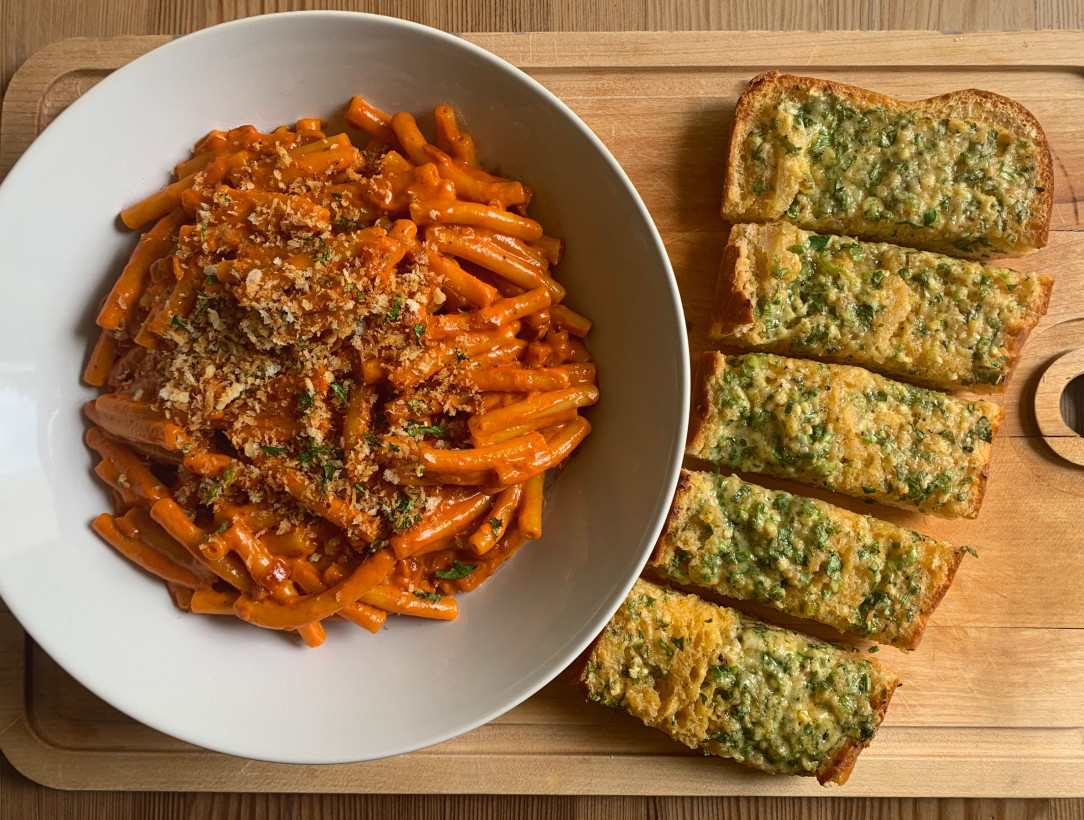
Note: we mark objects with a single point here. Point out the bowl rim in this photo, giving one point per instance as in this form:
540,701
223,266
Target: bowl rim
51,641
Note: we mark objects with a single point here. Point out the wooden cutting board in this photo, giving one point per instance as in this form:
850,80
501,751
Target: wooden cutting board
993,702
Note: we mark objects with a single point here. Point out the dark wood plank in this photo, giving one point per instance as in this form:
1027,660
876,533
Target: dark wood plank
20,799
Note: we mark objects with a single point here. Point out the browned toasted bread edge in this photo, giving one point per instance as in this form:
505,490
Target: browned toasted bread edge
838,768
1016,343
933,600
980,490
746,105
732,308
710,363
676,508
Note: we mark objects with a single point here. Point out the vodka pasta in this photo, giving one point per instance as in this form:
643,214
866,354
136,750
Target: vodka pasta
336,377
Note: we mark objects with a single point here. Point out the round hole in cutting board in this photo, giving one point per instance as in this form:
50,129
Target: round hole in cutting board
1072,404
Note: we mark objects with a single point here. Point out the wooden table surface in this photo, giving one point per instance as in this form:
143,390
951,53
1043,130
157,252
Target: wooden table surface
27,25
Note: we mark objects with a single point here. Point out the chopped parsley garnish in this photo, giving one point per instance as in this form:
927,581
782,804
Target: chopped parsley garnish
209,490
459,354
305,401
456,571
270,450
374,547
342,390
370,439
360,490
403,516
427,596
176,321
204,301
416,428
834,565
312,453
984,430
396,307
419,331
495,524
971,552
819,242
221,528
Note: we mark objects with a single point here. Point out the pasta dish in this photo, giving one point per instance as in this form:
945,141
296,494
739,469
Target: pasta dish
336,377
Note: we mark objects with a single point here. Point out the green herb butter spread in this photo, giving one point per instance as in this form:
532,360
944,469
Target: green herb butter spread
716,680
804,557
845,429
917,315
917,173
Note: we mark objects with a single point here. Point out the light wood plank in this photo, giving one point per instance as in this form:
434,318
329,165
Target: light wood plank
30,24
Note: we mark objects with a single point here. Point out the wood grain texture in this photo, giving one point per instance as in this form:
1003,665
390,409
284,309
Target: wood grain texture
25,800
30,24
981,709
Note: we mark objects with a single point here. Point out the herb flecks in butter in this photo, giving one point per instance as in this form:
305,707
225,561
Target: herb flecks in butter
804,557
716,680
907,175
916,315
845,429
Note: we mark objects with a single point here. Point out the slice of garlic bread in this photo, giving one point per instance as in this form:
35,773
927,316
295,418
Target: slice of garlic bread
967,173
918,316
844,429
727,684
854,573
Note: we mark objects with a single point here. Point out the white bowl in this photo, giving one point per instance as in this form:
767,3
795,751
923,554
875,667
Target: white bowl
259,694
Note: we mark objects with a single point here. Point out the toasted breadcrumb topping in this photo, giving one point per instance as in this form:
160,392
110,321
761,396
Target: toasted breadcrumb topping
299,282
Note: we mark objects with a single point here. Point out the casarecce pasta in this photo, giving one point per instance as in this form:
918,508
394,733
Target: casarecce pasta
336,377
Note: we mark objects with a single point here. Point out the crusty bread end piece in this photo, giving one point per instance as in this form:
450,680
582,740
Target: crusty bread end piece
769,165
730,685
732,309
